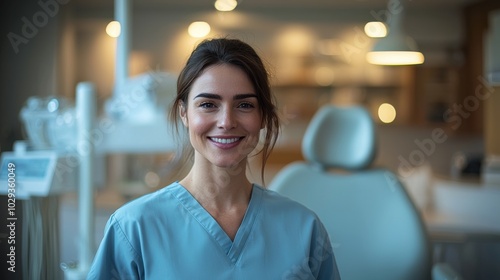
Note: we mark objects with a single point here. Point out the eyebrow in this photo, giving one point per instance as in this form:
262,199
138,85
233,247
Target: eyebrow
218,97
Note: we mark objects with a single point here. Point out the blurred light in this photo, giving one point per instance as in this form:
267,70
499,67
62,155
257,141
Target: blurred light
324,76
295,41
395,57
152,179
375,29
225,5
113,29
199,29
386,113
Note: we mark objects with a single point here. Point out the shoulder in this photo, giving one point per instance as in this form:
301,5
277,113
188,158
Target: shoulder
274,202
147,206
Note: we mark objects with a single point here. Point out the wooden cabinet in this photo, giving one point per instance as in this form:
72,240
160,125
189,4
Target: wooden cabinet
436,90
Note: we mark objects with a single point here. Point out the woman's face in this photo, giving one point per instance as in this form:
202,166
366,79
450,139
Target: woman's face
223,116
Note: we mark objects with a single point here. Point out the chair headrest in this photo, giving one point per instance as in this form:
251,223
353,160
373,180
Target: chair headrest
340,137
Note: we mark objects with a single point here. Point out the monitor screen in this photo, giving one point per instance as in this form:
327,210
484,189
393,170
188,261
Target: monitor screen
27,168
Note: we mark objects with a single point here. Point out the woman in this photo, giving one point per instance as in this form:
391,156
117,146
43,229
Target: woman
214,223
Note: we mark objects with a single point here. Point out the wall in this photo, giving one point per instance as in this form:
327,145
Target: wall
28,68
492,59
492,127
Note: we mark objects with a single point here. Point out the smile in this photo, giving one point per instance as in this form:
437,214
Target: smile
225,140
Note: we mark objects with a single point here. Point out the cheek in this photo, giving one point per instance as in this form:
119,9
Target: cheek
254,127
198,124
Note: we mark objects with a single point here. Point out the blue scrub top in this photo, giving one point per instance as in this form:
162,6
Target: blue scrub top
169,235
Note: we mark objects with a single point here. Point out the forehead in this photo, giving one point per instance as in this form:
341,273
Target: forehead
222,79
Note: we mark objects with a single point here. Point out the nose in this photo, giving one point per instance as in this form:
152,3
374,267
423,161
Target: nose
227,119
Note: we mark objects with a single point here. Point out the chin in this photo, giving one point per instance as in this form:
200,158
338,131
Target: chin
228,164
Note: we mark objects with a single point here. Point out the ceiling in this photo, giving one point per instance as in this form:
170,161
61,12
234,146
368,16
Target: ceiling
282,4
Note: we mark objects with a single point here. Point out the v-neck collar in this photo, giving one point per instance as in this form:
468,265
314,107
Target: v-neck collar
234,248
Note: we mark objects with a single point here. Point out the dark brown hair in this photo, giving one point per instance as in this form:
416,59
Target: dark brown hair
240,54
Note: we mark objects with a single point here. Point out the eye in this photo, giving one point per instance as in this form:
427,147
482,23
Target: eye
246,105
207,105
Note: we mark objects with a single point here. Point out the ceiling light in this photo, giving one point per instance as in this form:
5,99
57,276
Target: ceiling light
375,29
225,5
396,48
199,29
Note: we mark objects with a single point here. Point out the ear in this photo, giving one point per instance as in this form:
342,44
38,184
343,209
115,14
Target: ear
183,113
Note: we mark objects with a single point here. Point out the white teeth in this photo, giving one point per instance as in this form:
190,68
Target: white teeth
225,140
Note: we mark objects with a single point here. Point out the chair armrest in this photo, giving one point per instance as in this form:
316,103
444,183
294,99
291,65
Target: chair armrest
443,271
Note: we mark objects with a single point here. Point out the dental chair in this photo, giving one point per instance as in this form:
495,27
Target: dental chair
375,229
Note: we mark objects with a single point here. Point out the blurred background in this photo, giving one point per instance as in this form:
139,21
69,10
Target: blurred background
437,122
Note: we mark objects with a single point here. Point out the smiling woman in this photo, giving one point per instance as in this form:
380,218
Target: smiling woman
214,223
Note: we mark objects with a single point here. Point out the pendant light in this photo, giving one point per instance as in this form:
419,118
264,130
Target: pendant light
396,48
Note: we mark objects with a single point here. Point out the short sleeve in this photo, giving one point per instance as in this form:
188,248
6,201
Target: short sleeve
116,258
322,260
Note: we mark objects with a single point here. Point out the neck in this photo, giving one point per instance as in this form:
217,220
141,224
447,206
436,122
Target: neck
219,188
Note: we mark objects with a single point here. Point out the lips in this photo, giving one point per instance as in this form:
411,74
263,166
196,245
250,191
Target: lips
226,142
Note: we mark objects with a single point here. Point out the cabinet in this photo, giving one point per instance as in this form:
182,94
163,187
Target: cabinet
436,90
447,97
